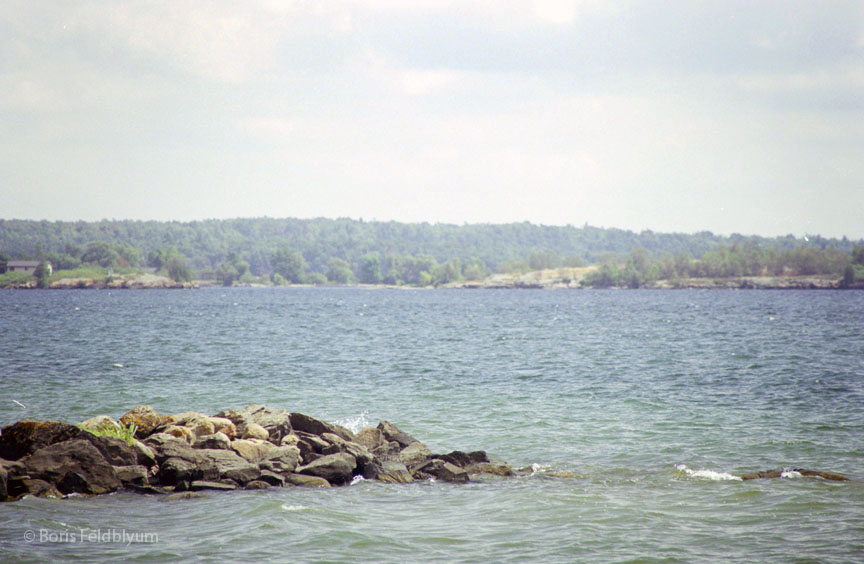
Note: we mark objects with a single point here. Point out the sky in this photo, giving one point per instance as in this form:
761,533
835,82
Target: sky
674,116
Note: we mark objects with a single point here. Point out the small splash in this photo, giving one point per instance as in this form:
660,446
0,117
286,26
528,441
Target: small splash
707,474
357,479
535,468
286,507
790,474
117,365
356,423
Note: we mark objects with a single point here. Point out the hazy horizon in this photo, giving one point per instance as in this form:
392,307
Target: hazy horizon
675,117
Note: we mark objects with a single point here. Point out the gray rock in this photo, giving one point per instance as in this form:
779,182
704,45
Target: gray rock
442,470
393,433
277,422
255,431
271,478
73,466
252,450
305,481
335,468
116,451
287,458
215,441
414,454
145,418
258,485
198,485
21,486
394,473
314,426
26,437
134,474
177,470
371,438
145,455
463,459
230,466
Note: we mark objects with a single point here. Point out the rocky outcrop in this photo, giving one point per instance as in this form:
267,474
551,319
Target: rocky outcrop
254,447
795,472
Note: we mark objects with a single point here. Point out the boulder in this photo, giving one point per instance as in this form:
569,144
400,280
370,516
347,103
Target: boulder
392,433
463,459
167,446
179,432
442,470
178,470
4,491
414,454
314,426
198,423
371,438
198,485
26,437
134,474
145,418
145,455
277,422
335,468
394,473
230,466
271,478
217,440
496,468
289,440
258,485
255,431
73,466
287,457
388,450
252,450
116,451
19,487
223,425
307,481
100,423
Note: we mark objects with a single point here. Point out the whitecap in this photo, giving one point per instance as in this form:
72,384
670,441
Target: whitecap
357,479
786,473
707,474
355,424
286,507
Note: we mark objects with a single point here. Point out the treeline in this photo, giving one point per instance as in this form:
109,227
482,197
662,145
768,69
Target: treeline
346,250
639,269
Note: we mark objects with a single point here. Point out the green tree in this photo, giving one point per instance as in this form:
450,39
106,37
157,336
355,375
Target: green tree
177,269
289,263
370,269
858,254
42,273
339,271
4,261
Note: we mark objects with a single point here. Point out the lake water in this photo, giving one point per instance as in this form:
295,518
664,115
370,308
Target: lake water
654,400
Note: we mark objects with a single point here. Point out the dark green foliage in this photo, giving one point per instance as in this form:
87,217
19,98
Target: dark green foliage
416,254
4,260
42,273
370,269
289,263
339,271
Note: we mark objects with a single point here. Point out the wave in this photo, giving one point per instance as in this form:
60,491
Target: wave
707,474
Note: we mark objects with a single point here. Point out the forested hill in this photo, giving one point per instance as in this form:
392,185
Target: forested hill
261,242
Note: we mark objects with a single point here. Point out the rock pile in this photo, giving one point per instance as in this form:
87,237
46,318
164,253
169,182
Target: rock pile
254,447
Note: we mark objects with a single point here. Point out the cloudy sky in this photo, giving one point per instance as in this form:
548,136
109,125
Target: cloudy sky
668,115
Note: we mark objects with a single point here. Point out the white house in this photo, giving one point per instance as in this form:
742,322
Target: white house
25,266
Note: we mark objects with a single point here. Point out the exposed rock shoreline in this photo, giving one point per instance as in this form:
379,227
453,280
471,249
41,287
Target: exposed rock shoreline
254,447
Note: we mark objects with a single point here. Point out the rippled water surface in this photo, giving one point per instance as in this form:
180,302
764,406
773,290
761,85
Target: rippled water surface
653,402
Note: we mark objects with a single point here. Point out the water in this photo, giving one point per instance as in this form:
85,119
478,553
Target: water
654,401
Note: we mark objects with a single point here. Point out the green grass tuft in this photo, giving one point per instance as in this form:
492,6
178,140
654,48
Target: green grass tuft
127,433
